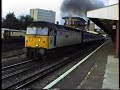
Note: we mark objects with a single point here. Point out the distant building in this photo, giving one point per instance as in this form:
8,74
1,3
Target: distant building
43,15
75,22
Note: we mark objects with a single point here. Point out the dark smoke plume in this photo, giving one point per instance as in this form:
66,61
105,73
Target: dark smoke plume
79,8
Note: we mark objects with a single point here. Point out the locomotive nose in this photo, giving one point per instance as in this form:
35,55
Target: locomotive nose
37,45
36,41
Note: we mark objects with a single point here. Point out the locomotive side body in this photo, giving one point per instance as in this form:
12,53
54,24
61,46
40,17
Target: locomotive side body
67,37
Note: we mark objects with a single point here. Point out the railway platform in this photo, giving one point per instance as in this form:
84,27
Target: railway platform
105,72
99,71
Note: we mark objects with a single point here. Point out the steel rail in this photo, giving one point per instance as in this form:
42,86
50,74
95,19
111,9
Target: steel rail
13,65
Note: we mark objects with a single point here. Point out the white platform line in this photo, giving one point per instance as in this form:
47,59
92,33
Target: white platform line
111,76
70,70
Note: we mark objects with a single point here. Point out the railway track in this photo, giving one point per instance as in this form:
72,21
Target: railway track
17,64
39,73
24,67
28,67
21,71
12,55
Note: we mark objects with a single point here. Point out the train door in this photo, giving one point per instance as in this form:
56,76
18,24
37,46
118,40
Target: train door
52,38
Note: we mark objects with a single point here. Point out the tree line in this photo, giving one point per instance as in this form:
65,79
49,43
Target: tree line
10,21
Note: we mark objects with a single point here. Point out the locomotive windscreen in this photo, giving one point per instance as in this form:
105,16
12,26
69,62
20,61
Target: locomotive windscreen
37,30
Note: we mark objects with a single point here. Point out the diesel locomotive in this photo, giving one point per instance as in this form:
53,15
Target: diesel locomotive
43,38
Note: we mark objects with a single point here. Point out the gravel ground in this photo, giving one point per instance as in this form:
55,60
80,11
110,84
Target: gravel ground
12,46
12,53
13,60
21,67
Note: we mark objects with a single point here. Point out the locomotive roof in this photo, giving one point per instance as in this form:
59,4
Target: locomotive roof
42,23
51,25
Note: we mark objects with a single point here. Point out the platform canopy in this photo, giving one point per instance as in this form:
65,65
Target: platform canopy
105,17
109,12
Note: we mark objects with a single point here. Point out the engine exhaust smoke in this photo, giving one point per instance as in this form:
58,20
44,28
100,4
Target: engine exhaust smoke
79,8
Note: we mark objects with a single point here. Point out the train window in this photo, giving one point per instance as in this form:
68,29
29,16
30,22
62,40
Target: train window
51,32
67,22
72,22
42,31
31,30
39,31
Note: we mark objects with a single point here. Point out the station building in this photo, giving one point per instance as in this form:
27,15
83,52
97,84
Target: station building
75,22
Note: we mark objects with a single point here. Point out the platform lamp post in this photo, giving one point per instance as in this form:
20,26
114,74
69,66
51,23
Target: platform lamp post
115,27
117,40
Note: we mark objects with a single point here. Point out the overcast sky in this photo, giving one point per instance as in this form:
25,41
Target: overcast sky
22,7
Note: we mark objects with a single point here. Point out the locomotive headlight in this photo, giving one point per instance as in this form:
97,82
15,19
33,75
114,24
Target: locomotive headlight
37,45
39,40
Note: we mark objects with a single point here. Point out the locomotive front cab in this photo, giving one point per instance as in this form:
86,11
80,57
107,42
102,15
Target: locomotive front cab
36,37
38,40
